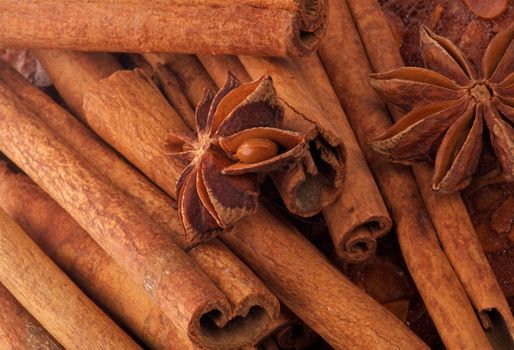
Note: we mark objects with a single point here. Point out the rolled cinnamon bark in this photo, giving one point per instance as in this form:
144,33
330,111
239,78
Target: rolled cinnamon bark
359,216
106,65
354,220
117,224
192,77
250,300
19,330
435,279
45,291
313,289
305,281
309,187
258,27
217,67
70,247
448,212
289,332
169,82
306,187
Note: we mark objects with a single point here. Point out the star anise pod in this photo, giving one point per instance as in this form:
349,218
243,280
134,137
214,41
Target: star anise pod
449,106
238,138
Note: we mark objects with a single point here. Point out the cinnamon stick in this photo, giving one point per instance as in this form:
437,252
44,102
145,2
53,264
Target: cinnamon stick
259,27
250,300
305,187
448,212
107,65
309,187
435,279
130,236
354,220
19,330
74,251
193,79
289,332
46,292
169,83
313,289
359,216
302,277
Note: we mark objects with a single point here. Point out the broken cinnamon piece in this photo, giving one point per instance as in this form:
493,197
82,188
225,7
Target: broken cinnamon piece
259,27
290,332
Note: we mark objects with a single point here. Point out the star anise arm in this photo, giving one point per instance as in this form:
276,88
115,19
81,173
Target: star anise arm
442,55
504,89
412,137
180,148
291,146
411,87
229,198
498,58
459,152
251,105
502,140
505,109
202,112
199,225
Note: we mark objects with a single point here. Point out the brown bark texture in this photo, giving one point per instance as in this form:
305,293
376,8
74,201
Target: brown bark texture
255,27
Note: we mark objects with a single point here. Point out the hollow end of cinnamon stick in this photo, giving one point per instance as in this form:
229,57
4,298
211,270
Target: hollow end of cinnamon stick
311,27
496,329
358,243
213,329
358,246
223,323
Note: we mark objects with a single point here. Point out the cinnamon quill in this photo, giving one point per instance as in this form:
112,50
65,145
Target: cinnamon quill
295,271
306,186
49,295
250,300
355,220
129,235
435,279
18,329
286,27
447,211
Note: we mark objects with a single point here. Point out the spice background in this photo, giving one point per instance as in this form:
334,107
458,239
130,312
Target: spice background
336,234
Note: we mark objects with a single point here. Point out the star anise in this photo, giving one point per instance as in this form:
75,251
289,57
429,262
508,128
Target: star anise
238,139
449,106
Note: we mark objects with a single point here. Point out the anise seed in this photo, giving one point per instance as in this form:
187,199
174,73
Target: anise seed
256,150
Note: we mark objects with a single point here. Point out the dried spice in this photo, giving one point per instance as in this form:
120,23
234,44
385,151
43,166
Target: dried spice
487,9
238,137
449,105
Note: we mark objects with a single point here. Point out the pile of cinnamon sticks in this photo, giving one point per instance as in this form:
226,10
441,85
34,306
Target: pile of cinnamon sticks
199,176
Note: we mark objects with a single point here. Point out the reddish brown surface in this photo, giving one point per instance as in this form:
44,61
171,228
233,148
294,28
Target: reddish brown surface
452,18
449,18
